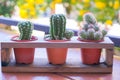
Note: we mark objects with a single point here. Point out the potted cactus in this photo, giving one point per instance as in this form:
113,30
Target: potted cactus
58,33
24,55
91,32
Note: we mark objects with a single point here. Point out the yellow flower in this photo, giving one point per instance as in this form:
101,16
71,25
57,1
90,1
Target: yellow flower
52,5
116,5
82,12
32,14
110,4
86,1
109,22
23,13
58,1
73,1
100,5
39,1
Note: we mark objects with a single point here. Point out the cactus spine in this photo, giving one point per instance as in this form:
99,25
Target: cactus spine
25,29
58,26
91,30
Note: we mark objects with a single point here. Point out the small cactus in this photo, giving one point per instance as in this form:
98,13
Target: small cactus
58,28
68,34
90,34
83,34
91,30
89,18
98,35
104,32
25,29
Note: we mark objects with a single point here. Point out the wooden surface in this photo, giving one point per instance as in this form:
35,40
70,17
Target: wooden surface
74,43
42,65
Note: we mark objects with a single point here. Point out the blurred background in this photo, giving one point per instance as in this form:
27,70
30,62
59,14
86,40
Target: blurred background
106,11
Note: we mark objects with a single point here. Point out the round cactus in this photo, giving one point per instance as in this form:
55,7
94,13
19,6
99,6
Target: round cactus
91,30
104,32
90,34
25,29
89,18
68,34
98,35
83,34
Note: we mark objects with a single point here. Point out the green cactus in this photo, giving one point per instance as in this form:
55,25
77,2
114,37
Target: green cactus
104,32
98,35
91,30
25,29
68,34
90,34
83,34
89,18
85,27
58,26
96,27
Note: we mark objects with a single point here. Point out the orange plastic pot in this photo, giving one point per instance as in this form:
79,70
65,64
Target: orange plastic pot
24,55
90,56
57,55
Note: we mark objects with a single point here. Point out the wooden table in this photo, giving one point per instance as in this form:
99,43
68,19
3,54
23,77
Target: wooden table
72,65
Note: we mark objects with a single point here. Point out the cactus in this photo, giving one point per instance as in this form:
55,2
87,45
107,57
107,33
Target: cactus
91,30
25,29
90,34
83,34
58,26
68,34
104,32
98,35
89,18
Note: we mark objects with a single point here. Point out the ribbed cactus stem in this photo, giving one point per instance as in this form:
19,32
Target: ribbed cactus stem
58,26
25,29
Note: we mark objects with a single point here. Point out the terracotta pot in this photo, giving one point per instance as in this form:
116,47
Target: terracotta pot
24,55
90,56
57,55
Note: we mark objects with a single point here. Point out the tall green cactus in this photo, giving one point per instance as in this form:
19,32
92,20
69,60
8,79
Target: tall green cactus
25,29
58,26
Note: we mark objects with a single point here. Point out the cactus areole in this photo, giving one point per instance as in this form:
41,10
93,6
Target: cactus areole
91,30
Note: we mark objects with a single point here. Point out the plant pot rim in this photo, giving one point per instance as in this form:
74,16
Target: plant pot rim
57,40
16,38
90,40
